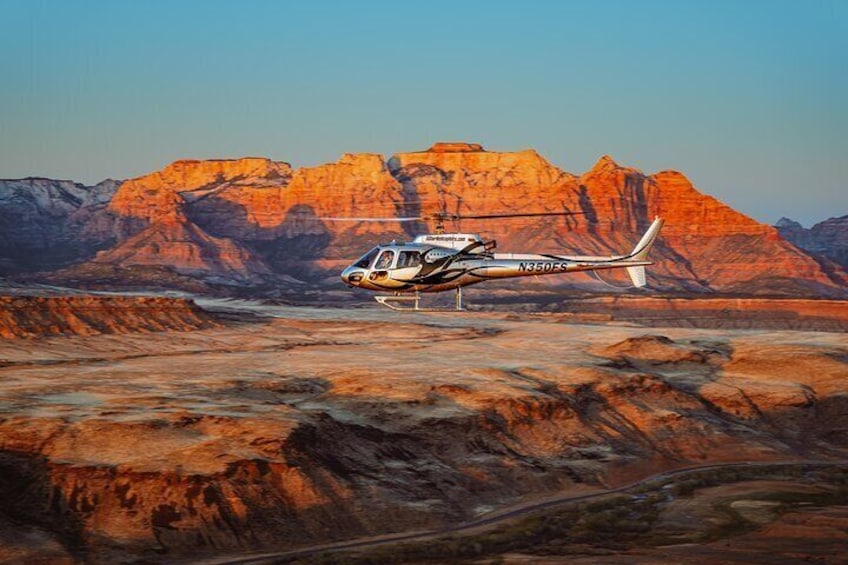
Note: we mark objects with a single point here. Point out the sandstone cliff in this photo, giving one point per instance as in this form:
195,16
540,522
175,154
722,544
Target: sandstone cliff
142,200
705,243
827,239
251,220
38,316
177,243
286,222
155,230
722,247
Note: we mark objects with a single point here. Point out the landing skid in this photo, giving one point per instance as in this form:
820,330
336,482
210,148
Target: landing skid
413,303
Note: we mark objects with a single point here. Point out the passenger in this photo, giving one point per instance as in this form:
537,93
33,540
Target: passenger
385,260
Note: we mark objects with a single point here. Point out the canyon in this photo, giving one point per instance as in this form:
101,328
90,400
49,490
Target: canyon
259,227
282,427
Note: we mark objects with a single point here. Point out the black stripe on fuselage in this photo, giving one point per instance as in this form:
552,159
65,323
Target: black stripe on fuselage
405,287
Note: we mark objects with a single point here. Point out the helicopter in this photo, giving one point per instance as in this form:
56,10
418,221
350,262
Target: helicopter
440,261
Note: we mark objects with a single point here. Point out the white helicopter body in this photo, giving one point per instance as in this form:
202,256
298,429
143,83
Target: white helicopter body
446,261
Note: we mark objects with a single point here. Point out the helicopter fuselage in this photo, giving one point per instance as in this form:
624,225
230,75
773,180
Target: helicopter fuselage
439,262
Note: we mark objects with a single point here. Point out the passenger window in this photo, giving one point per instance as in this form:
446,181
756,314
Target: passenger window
385,260
409,259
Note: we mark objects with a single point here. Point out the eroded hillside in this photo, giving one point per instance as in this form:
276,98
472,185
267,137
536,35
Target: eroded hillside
38,316
326,425
259,225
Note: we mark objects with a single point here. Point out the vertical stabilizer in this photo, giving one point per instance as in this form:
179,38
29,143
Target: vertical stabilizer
640,253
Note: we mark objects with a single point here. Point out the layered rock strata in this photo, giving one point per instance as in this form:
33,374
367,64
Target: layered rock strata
250,220
297,432
39,316
47,223
827,239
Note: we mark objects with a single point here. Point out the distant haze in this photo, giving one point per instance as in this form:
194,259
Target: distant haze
748,99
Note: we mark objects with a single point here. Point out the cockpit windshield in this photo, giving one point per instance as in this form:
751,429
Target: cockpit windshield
365,261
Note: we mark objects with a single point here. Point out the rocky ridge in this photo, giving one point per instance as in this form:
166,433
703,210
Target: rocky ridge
152,221
46,223
41,316
826,239
251,220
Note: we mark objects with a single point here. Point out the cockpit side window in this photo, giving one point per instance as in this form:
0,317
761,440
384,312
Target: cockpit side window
385,260
365,261
409,259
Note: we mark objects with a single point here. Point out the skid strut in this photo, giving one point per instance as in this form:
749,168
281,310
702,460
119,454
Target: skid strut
407,303
397,301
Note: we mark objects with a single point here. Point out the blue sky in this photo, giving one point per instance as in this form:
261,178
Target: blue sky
746,98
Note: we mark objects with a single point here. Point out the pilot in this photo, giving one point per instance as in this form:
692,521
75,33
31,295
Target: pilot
385,260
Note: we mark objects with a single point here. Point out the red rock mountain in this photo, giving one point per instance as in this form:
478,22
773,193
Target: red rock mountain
828,238
705,243
151,218
245,219
47,223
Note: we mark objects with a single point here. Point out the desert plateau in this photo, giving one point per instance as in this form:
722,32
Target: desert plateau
262,433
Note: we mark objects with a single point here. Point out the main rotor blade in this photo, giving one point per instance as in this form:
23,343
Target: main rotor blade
520,215
450,217
402,219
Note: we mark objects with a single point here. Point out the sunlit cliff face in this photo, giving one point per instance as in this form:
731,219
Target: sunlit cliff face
243,219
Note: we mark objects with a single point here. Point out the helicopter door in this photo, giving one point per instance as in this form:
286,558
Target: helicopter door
385,260
381,267
408,265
